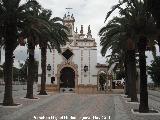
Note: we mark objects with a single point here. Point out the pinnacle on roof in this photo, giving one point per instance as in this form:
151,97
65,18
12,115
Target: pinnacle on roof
89,35
68,15
81,31
76,30
89,30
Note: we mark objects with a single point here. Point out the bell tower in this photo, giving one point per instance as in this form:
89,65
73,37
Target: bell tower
68,21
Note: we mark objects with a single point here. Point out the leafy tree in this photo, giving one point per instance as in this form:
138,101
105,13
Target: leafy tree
24,71
154,70
120,75
102,80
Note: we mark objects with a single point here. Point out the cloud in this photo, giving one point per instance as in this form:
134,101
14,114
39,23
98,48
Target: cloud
86,12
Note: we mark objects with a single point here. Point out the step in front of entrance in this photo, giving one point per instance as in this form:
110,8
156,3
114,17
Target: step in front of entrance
67,90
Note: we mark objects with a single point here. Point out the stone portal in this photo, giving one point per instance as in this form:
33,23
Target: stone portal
67,79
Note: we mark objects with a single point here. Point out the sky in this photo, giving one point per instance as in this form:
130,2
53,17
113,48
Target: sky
86,12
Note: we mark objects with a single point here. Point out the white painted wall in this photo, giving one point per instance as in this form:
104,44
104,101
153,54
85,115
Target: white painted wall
93,69
49,74
84,47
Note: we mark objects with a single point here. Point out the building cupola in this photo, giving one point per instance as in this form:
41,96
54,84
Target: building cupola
68,21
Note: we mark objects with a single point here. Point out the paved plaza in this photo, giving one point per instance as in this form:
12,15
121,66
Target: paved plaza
69,106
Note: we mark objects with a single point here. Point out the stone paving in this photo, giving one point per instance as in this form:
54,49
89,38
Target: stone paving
67,106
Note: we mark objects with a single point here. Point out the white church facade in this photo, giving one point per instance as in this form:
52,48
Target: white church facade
75,69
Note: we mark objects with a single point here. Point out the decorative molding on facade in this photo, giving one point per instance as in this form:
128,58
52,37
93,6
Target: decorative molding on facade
93,49
75,44
63,58
67,64
94,75
102,70
101,66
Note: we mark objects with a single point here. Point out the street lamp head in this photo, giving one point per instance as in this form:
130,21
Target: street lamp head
48,67
85,68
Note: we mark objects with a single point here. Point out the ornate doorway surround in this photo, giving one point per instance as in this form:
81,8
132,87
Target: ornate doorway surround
71,65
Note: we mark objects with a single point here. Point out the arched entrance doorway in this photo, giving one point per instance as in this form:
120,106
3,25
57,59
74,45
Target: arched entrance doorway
67,79
102,80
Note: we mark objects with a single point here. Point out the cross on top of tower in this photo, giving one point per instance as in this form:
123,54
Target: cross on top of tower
68,9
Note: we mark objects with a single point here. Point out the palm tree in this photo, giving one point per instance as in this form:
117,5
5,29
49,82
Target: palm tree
143,107
115,35
53,39
154,7
34,27
8,23
12,15
142,29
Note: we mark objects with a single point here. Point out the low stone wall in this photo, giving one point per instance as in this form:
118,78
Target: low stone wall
50,88
87,89
80,89
83,89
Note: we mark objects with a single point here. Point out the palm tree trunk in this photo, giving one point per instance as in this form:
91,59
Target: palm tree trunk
132,75
10,45
158,39
30,78
128,73
43,67
0,55
8,99
143,107
126,78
